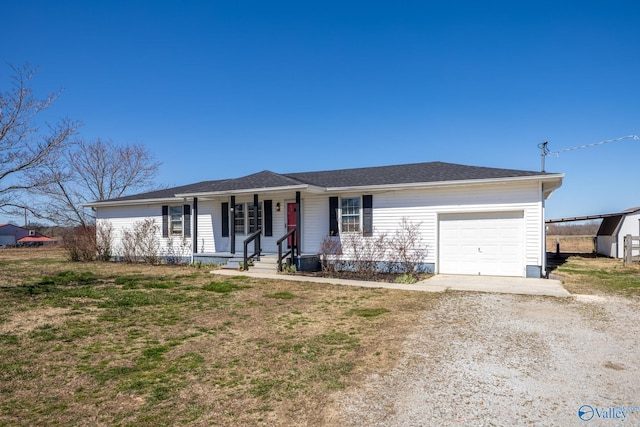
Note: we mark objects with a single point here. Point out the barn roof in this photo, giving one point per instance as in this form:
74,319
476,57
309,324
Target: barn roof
36,239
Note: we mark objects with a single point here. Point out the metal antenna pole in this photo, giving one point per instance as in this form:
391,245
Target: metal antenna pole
543,152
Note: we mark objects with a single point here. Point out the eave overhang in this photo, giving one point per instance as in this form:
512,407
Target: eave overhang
132,202
550,182
261,190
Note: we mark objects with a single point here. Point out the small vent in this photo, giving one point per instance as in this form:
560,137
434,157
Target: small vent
32,233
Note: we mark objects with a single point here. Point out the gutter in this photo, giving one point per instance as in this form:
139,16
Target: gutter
132,202
439,184
248,191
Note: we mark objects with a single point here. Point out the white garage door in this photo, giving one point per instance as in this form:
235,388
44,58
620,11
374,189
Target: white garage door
489,243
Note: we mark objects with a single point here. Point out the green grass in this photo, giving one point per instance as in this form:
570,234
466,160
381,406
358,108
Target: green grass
221,287
134,345
406,279
603,274
281,295
368,312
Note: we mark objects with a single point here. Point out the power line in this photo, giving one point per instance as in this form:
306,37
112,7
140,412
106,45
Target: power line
546,152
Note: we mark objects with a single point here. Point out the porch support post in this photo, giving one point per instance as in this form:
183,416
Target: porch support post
255,211
298,226
232,226
195,225
256,243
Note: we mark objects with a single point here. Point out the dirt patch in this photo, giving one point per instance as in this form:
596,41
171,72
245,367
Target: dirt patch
22,322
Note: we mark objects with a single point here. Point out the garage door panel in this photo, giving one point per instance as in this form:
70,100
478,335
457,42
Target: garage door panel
488,243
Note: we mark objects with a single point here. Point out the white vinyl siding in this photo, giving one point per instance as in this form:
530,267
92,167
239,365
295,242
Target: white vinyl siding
207,216
425,206
125,218
420,206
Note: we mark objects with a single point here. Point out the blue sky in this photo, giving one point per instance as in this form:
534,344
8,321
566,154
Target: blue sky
220,89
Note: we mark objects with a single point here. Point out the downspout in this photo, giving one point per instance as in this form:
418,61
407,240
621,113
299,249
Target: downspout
298,224
543,271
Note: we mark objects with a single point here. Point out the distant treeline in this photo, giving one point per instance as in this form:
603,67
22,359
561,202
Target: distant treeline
568,229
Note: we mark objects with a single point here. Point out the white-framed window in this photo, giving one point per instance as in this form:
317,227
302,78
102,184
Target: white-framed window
175,221
238,218
350,219
251,219
244,219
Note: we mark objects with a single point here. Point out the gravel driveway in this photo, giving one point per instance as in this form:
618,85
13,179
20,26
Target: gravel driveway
495,359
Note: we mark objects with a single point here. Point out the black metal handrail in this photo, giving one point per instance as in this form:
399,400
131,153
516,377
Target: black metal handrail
294,246
255,237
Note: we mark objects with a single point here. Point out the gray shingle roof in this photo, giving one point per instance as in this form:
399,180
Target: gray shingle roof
405,174
430,172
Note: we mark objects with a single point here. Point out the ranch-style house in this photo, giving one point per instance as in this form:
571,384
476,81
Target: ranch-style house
473,220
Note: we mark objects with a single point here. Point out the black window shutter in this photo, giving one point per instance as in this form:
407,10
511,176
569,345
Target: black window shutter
165,221
367,215
186,219
333,216
225,219
268,218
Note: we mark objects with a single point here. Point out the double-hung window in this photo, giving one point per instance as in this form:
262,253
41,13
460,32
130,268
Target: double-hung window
350,214
238,218
175,220
251,218
244,220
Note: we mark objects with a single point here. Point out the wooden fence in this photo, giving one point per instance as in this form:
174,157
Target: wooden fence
631,249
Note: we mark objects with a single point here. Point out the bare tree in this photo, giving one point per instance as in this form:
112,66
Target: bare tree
107,171
24,149
93,171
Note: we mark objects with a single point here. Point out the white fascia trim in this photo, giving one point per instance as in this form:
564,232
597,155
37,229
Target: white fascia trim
133,202
248,191
437,184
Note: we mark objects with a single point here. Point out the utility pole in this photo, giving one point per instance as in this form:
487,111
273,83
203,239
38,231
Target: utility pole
25,218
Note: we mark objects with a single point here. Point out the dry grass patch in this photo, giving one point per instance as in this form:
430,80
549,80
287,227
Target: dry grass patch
571,244
116,344
599,275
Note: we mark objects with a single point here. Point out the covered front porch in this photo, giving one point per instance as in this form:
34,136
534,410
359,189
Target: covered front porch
237,229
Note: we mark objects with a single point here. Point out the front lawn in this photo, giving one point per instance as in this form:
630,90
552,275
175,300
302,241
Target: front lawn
134,345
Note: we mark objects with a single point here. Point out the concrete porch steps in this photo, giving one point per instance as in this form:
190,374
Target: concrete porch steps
268,264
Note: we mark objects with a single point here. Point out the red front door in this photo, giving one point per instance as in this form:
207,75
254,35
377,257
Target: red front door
291,220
